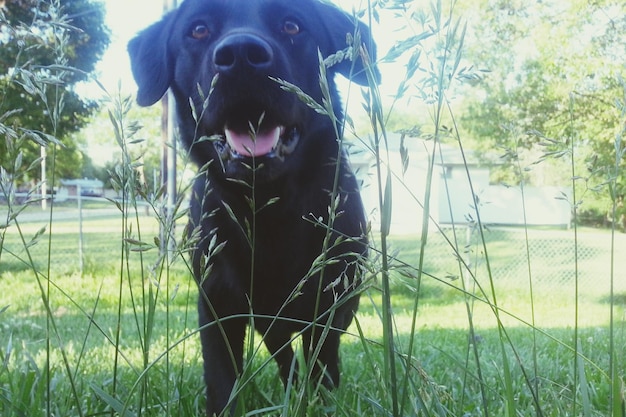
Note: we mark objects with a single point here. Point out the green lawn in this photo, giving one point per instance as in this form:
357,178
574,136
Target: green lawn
121,338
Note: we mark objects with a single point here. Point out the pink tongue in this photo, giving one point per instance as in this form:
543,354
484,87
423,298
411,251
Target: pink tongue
262,144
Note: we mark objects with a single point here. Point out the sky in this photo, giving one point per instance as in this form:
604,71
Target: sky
125,18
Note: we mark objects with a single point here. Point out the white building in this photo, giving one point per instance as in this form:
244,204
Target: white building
460,185
85,187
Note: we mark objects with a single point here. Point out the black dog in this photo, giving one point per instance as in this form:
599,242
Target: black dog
276,207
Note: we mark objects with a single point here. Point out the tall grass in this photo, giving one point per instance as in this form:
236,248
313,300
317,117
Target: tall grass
38,82
442,71
122,338
617,402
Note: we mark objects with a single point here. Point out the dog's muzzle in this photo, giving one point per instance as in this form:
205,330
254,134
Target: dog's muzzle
270,142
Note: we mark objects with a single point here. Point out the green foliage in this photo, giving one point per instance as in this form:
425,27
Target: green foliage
555,70
100,134
46,48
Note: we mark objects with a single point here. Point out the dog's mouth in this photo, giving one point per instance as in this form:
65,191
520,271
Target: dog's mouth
277,141
269,140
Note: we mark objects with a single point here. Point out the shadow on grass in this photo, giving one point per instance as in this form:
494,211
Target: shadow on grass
443,365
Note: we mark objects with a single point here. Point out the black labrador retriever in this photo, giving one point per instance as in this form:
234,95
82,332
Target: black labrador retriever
276,210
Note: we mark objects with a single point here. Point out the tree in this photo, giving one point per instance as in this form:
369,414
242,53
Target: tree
145,149
555,77
46,47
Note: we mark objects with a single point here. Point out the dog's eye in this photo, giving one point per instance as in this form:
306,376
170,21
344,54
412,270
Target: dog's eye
200,31
291,27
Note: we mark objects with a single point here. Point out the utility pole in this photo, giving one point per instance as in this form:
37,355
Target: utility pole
168,162
163,232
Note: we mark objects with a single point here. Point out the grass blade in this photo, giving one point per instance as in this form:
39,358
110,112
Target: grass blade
112,402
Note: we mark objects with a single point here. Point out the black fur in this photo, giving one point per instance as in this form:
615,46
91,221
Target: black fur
259,207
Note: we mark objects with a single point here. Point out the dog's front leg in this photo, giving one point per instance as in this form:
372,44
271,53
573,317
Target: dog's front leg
222,351
278,342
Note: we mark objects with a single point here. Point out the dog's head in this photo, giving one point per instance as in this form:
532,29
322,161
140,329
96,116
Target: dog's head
222,60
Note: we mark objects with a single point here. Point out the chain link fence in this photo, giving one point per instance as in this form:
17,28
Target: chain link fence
93,239
515,256
72,240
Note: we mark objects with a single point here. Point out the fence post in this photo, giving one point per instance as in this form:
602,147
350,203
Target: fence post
43,186
469,231
79,199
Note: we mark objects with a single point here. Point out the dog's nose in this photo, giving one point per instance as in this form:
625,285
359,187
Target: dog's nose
240,51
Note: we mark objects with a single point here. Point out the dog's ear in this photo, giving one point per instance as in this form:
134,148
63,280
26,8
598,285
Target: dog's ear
339,26
151,62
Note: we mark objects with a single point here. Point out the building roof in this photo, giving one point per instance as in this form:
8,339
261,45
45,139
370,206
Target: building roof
419,149
85,182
